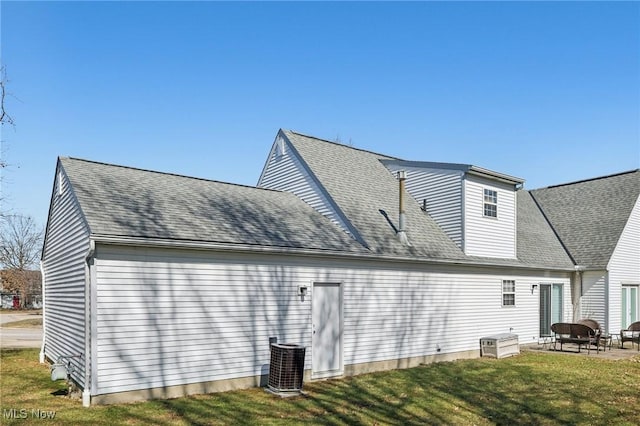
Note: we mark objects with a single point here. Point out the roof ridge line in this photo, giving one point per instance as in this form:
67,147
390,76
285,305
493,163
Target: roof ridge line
588,179
170,174
343,145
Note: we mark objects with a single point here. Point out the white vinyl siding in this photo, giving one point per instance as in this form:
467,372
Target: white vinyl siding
383,323
168,317
489,236
593,301
67,244
624,266
442,190
285,172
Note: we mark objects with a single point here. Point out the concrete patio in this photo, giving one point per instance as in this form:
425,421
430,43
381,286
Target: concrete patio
613,353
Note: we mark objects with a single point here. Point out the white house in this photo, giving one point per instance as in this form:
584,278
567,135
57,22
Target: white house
162,285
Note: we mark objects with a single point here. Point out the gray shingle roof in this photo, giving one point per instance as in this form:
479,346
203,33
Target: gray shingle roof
127,202
590,215
367,193
123,202
363,188
537,244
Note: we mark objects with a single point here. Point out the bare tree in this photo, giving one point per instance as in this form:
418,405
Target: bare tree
5,118
20,244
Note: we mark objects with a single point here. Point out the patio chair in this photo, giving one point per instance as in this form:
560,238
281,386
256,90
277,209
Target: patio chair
631,334
595,326
579,334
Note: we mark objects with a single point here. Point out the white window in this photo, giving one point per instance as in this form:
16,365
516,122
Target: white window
508,293
490,203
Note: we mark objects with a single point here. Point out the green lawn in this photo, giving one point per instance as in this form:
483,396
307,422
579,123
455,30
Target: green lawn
533,388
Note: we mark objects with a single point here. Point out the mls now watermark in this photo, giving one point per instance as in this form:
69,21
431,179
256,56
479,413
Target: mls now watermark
23,413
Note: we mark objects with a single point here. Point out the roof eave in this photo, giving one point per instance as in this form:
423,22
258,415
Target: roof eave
326,253
464,168
501,177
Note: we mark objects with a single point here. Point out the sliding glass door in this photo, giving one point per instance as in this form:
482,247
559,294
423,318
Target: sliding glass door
551,298
629,305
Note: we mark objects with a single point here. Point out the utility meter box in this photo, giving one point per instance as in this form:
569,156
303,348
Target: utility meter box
499,345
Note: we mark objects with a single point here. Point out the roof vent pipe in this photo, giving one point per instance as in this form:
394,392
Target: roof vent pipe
402,234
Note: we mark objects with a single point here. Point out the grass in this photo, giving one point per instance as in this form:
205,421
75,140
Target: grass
533,388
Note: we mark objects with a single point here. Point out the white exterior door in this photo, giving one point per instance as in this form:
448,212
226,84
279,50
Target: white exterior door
327,330
629,305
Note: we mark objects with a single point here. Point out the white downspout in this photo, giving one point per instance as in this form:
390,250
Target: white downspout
577,293
44,317
86,393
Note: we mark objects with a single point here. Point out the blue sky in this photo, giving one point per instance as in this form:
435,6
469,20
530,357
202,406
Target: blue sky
547,91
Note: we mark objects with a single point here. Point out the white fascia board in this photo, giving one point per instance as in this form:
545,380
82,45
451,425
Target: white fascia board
314,253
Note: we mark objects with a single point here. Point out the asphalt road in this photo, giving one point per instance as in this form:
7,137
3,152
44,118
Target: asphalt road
18,337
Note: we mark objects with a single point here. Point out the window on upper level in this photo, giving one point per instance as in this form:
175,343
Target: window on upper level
508,293
490,203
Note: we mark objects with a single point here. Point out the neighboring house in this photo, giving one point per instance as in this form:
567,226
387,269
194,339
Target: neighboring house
20,289
598,221
165,285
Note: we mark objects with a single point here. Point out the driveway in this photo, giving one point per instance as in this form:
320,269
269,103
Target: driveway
19,337
9,316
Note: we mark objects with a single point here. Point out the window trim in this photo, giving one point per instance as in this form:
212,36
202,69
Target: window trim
492,201
508,293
